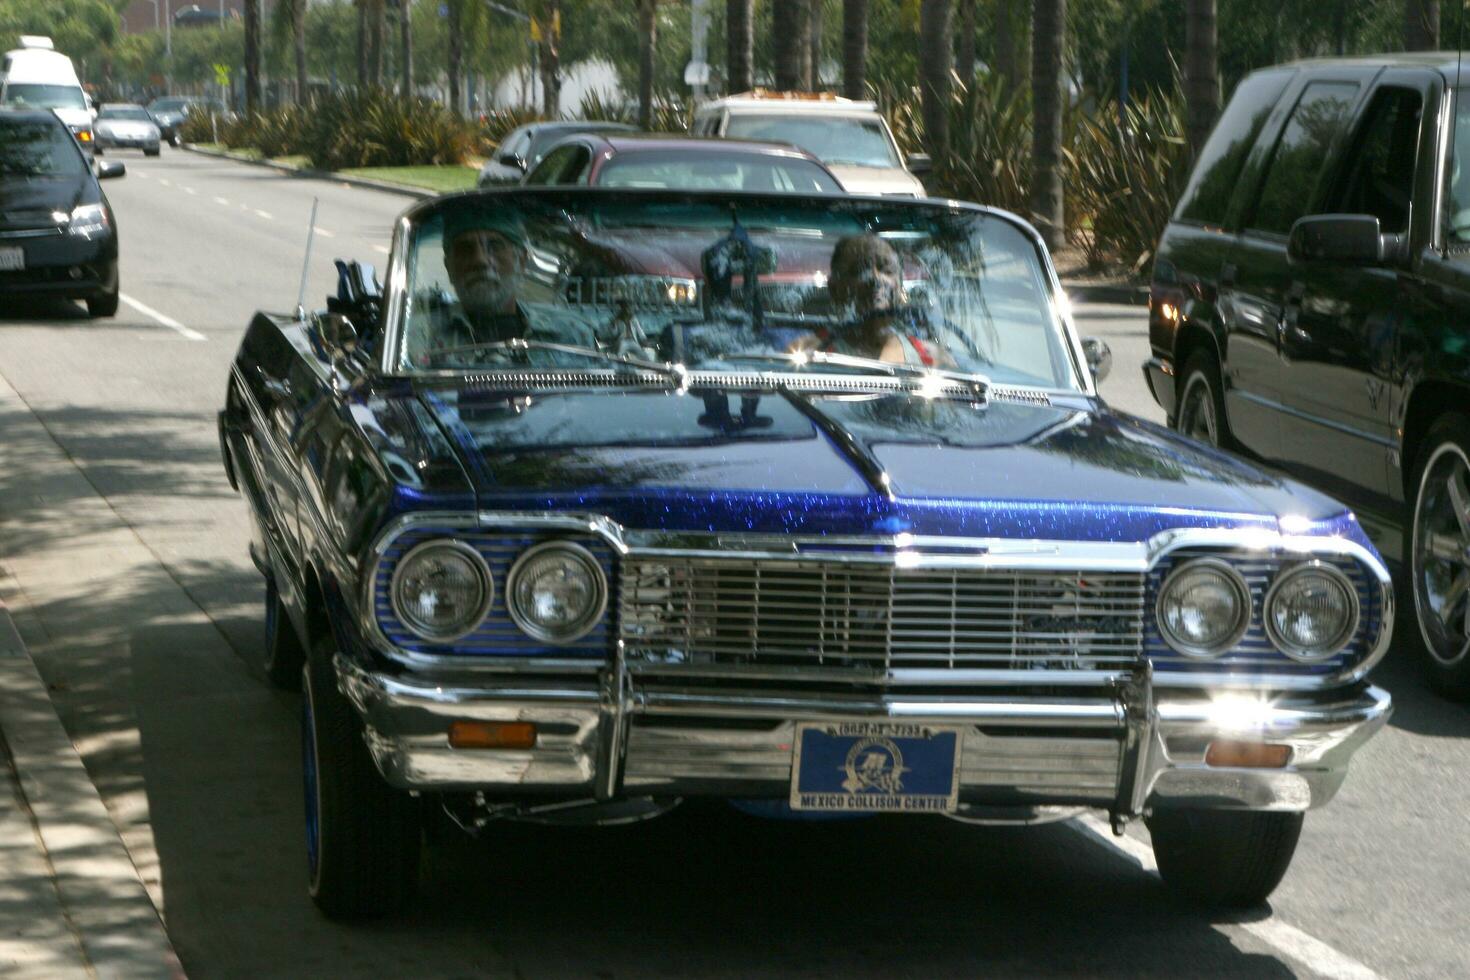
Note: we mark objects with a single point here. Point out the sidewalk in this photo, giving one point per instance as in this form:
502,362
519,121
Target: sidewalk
71,901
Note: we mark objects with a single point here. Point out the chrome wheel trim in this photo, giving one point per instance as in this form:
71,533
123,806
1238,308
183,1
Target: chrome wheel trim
1197,410
311,773
1441,555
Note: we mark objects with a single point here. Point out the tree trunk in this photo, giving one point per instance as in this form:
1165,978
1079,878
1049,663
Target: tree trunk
1421,25
647,39
405,45
252,57
739,45
1201,73
965,46
855,49
298,42
362,44
1012,45
814,34
456,56
936,65
788,44
380,41
551,60
1047,40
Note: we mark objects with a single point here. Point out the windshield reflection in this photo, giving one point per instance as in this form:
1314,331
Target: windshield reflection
592,280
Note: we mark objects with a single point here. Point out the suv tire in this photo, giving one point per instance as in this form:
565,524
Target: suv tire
364,838
284,653
1439,555
1224,859
1201,410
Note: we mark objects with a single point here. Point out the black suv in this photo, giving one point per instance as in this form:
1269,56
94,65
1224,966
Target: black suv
1311,307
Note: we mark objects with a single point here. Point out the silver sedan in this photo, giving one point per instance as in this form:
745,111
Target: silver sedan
123,124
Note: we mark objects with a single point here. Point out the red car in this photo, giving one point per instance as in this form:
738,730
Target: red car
681,163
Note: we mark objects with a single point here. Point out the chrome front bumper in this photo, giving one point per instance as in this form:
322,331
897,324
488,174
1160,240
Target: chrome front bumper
611,735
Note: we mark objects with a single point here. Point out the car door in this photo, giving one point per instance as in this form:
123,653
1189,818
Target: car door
1340,322
1256,280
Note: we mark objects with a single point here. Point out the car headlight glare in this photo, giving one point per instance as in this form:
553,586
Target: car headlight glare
1204,608
441,590
1311,611
556,592
87,220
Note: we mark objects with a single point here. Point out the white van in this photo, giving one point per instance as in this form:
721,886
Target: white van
37,76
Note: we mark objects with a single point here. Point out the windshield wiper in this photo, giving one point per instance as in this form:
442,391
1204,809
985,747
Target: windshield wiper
895,368
676,372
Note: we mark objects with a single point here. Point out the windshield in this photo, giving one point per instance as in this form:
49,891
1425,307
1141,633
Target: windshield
850,140
706,170
723,282
37,149
135,113
167,105
45,96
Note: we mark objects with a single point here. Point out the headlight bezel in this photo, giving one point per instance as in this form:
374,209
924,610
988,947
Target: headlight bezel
586,623
1237,583
487,588
1312,655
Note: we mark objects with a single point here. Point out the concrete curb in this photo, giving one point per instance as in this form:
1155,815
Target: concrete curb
101,894
1125,293
307,172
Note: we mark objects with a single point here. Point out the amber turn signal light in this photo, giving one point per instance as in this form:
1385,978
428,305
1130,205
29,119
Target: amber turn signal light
492,735
1247,755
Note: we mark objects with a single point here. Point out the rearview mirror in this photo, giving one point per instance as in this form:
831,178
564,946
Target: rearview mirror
1099,357
920,164
1351,239
107,169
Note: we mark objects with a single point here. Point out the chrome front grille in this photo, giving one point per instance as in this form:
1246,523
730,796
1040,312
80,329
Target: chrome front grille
698,610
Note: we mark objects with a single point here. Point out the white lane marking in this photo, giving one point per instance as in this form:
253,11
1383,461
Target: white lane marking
324,233
1288,940
139,173
190,190
220,200
165,182
166,321
244,207
381,248
264,214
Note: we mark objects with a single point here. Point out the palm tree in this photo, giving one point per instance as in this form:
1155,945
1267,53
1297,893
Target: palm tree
740,45
1201,72
294,11
855,48
647,39
362,43
550,30
252,57
814,40
405,44
1048,38
788,32
454,61
1012,44
936,68
1421,25
965,50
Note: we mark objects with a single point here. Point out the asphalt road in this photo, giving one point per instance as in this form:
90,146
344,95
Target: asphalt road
122,551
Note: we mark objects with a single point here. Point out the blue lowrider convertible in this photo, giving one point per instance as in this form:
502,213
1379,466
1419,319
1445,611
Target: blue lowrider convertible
613,498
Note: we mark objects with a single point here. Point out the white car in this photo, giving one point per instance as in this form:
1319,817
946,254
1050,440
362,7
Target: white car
37,76
122,124
852,138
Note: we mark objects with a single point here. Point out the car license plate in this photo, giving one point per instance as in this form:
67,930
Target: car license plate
875,767
12,258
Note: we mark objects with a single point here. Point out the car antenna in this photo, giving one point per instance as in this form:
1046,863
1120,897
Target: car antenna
306,265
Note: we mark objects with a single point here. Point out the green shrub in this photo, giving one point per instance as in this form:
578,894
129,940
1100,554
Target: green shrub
667,116
496,124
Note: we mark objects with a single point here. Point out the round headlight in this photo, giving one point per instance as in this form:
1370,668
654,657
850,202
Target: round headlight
1204,608
1311,611
441,590
556,592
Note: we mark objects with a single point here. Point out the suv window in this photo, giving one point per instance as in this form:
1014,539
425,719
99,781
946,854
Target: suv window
1379,176
561,165
1223,156
1301,155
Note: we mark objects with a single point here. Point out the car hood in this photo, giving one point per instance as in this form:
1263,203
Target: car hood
876,180
727,460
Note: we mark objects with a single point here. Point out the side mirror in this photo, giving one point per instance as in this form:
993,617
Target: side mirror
514,160
920,164
107,169
1099,357
1350,239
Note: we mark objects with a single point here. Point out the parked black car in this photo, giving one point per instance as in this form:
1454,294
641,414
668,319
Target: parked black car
524,146
58,236
1311,307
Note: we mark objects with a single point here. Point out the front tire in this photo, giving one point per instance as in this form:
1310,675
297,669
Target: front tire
364,838
284,653
1200,413
1224,859
1439,557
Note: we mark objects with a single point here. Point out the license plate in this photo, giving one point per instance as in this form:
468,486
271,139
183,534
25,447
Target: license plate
12,258
875,767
